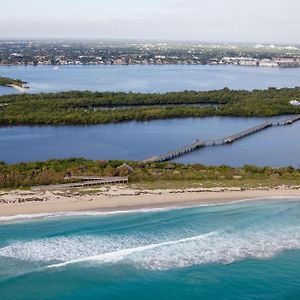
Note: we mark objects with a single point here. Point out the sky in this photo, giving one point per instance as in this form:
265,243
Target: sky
261,21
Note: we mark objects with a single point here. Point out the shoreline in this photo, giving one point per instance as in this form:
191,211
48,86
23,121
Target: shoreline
147,64
120,199
17,87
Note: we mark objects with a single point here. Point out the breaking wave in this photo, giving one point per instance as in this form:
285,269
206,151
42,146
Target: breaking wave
146,252
171,239
23,217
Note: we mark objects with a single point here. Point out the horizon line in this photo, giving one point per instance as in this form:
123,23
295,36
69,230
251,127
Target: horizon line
142,40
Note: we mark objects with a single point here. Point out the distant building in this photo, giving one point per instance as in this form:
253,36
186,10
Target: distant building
268,63
160,56
17,55
248,62
288,63
119,61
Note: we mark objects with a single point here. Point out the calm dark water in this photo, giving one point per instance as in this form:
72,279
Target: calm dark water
239,251
277,146
149,78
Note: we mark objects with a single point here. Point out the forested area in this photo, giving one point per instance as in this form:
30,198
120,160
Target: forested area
96,108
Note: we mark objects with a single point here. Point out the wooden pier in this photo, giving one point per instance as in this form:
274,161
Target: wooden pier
287,122
85,181
219,141
178,152
244,133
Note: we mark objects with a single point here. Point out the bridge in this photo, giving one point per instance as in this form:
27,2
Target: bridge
219,141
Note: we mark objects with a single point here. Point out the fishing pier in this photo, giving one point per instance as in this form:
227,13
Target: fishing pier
219,141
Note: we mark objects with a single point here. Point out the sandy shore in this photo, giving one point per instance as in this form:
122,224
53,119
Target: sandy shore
17,87
119,198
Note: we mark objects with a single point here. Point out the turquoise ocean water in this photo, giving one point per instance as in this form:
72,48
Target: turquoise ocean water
246,250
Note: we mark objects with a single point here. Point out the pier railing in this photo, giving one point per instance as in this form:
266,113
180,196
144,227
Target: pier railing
244,133
175,153
287,122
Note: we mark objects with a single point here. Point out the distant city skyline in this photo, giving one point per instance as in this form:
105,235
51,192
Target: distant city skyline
257,21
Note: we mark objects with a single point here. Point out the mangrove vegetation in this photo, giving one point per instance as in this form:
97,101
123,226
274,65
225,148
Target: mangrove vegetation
85,107
5,81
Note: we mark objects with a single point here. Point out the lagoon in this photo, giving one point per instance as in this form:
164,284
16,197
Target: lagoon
276,146
138,140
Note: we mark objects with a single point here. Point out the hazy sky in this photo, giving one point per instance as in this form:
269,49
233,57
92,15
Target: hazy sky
275,21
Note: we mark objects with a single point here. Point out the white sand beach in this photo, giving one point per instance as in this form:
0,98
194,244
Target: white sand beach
121,198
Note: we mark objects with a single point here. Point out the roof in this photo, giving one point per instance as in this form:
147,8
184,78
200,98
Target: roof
129,168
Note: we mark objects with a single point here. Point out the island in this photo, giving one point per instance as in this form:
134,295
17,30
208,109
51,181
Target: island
84,107
18,84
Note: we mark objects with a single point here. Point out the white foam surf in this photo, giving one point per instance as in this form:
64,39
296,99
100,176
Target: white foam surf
24,217
249,233
157,253
119,255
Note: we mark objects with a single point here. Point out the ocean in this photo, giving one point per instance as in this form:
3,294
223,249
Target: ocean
241,250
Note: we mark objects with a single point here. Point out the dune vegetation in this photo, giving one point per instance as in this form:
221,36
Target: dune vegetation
151,175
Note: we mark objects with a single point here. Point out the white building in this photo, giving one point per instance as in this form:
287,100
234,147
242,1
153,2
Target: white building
295,102
268,63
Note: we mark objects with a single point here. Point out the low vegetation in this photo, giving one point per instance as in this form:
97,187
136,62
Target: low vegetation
96,108
148,175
